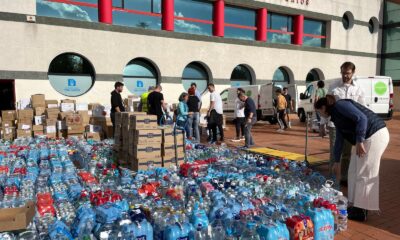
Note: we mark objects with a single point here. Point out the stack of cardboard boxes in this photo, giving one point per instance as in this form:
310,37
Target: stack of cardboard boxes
8,124
24,123
144,141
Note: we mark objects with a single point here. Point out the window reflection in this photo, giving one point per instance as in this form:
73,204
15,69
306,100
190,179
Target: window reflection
240,23
193,17
281,76
195,73
314,33
67,11
136,20
241,76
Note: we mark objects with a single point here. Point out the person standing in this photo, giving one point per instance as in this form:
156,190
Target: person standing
117,104
366,131
250,113
155,103
289,107
215,114
320,93
183,113
194,118
240,121
143,106
281,106
346,88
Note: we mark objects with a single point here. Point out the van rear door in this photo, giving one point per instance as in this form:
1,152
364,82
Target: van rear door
266,100
380,97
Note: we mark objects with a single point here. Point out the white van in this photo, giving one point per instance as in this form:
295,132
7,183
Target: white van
263,95
378,93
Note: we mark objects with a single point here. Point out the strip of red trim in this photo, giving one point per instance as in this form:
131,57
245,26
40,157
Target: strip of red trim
314,36
194,20
136,12
75,3
279,31
240,26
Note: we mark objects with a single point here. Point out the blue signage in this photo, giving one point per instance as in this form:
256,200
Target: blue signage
138,86
71,86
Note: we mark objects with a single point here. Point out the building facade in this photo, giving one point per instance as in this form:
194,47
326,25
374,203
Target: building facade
79,48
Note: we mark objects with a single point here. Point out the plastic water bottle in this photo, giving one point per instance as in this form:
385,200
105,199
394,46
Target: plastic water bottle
217,227
201,233
250,232
327,192
341,204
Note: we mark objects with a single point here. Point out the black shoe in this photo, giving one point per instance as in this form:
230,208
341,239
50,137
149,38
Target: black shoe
357,214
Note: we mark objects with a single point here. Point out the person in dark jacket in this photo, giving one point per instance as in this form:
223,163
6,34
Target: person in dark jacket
250,113
368,133
117,104
194,118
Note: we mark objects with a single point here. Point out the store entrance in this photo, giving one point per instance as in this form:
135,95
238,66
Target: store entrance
7,94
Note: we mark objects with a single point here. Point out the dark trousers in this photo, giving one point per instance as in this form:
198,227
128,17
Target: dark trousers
240,123
215,122
282,119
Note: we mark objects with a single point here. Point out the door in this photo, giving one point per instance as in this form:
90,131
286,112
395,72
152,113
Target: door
7,94
307,99
292,89
266,100
380,95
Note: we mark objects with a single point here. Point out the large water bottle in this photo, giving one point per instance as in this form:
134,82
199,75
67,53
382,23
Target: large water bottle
327,192
217,227
201,233
250,233
341,204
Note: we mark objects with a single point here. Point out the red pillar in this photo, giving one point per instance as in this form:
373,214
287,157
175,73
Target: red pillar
219,18
105,11
168,15
298,30
261,34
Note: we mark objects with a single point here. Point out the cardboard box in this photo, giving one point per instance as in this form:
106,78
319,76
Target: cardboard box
168,135
169,160
51,122
12,219
7,124
67,107
168,150
147,136
81,107
37,128
52,113
24,133
39,120
76,129
143,164
8,133
25,114
93,136
50,129
8,115
147,151
180,138
85,117
180,156
73,119
63,115
39,111
143,122
51,103
24,126
68,101
38,100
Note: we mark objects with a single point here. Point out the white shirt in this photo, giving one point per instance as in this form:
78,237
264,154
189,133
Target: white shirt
216,98
239,108
347,91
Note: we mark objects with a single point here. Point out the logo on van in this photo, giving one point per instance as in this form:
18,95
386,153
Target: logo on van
380,88
248,93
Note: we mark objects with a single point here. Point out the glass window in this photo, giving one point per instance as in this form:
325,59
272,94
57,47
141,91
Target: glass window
195,73
244,23
392,12
224,95
312,76
280,28
281,75
153,6
136,20
391,43
391,67
314,33
193,17
241,76
67,11
194,9
240,33
309,92
139,75
71,75
240,16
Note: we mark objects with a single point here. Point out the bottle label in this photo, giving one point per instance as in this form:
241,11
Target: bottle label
343,212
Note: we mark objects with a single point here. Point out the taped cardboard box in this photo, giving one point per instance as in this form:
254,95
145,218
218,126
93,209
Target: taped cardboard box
73,119
8,133
144,136
7,124
63,115
24,126
24,133
52,113
38,100
51,122
39,111
25,114
76,129
147,151
51,103
180,138
13,219
39,120
180,156
168,135
143,122
38,128
68,101
8,115
85,116
50,129
67,107
143,164
168,149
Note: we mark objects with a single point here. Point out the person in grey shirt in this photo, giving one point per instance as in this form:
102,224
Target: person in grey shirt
345,88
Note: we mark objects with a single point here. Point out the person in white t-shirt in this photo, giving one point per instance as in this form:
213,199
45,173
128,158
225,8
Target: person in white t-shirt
214,114
240,121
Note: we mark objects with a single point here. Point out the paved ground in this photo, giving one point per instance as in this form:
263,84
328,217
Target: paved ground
385,225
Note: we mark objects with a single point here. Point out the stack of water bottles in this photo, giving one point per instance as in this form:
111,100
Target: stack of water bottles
218,193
